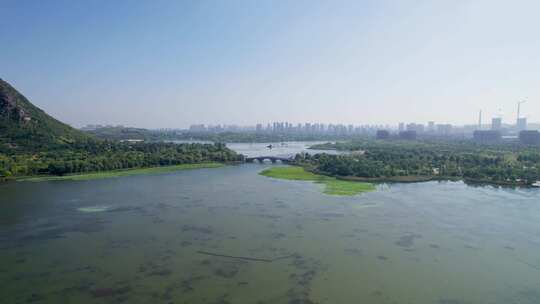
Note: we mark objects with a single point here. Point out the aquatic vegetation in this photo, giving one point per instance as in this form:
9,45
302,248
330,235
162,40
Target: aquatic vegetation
226,272
161,273
340,187
245,258
382,258
308,247
292,173
50,232
353,251
109,292
333,186
451,301
306,270
198,229
407,241
120,173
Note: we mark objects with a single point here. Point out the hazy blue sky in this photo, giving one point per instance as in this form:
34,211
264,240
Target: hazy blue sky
173,63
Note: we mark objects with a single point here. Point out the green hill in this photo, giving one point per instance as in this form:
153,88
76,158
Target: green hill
33,143
25,127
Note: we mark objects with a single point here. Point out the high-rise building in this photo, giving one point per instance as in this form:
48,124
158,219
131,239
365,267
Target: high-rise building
487,136
401,126
382,134
418,128
496,123
444,129
431,126
521,124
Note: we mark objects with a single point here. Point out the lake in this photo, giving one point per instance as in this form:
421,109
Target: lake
285,149
229,235
280,149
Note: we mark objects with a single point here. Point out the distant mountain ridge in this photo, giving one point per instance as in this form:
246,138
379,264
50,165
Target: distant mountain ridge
23,126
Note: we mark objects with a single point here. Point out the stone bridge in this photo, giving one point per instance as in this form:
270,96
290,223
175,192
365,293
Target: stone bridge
273,159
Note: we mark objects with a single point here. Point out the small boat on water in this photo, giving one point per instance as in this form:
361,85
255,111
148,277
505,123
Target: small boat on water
537,184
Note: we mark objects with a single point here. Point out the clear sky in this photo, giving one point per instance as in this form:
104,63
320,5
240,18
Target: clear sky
173,63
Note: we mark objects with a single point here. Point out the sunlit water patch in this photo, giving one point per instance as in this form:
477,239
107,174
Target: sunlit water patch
92,209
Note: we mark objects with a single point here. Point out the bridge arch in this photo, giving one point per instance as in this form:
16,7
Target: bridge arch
273,159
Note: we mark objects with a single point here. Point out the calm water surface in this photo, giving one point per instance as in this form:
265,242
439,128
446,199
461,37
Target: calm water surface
281,149
284,149
442,243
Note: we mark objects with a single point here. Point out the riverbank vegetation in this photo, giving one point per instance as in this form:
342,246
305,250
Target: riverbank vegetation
125,133
400,161
103,156
332,185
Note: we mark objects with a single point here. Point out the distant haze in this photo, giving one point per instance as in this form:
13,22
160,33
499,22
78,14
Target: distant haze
174,63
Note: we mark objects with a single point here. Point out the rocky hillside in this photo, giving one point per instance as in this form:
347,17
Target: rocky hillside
25,127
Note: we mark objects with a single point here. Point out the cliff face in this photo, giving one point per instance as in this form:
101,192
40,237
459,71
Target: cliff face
9,109
23,126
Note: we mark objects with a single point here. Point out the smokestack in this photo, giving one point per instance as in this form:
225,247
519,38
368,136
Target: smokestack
519,110
480,120
520,124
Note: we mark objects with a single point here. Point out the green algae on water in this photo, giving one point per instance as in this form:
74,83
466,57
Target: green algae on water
333,186
120,173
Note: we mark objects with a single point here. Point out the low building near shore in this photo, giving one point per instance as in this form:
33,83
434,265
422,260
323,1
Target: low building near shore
383,134
407,135
487,136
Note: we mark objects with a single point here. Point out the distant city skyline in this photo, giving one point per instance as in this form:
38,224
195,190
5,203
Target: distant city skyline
495,123
171,64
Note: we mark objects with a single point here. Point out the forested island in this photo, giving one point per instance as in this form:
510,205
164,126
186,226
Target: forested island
33,143
411,161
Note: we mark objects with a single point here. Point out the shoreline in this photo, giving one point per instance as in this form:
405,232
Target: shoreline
422,179
118,173
209,165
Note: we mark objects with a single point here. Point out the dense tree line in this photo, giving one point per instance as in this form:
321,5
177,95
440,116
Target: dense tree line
465,160
123,133
97,155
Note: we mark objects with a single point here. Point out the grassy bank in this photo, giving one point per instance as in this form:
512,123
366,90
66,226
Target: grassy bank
425,178
391,179
119,173
333,186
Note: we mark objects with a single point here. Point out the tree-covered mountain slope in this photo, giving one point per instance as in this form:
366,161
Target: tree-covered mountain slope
34,143
25,127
